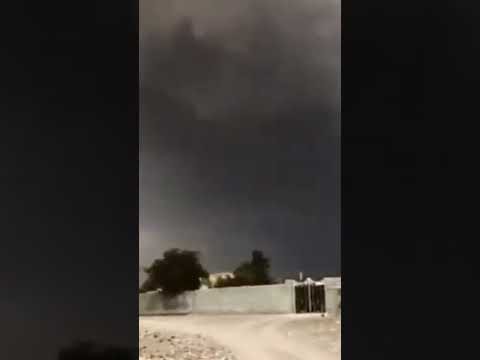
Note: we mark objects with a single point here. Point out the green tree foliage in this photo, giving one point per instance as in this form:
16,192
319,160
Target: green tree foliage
178,271
253,272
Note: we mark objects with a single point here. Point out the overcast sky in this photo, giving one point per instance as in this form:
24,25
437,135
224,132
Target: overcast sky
240,132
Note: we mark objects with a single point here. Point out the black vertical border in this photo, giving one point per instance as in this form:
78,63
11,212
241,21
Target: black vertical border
69,262
407,104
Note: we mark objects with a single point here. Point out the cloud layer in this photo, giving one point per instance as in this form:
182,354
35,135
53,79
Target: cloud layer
240,115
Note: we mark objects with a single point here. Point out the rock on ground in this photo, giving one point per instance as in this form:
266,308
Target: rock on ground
168,345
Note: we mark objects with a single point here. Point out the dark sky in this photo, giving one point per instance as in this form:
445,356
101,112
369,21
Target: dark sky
240,132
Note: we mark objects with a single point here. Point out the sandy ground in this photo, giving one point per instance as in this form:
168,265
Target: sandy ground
254,337
174,345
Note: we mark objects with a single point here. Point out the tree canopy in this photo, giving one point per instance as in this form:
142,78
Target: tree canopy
178,271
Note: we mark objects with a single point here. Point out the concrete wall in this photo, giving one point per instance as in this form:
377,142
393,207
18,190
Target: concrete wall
155,303
246,299
268,299
333,293
332,301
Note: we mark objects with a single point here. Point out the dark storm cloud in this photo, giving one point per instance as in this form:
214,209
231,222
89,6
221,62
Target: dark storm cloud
240,130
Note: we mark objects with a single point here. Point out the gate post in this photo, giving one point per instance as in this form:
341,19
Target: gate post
309,292
292,285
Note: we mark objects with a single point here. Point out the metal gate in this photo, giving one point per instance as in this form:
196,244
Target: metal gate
310,298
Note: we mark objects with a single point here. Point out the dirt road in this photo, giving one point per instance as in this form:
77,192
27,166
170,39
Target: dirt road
265,337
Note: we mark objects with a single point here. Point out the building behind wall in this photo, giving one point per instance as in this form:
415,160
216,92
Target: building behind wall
214,278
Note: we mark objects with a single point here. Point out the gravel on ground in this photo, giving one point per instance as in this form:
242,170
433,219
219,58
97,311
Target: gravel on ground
169,345
240,337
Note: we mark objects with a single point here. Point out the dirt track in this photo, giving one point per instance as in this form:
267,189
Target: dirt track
255,337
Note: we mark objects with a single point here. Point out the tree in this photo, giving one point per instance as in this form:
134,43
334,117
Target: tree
254,272
245,273
261,268
178,271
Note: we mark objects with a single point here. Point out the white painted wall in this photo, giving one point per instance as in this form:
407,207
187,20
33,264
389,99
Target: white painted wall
245,299
269,299
333,292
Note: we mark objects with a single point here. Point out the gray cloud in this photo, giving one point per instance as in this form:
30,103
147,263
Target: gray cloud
240,114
